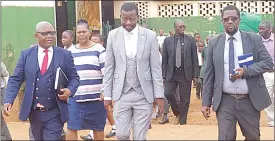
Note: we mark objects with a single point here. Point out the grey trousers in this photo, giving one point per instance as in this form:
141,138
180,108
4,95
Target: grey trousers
132,110
5,133
242,111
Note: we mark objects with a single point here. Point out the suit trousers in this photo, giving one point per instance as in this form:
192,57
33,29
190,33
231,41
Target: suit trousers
269,83
46,125
231,111
184,92
132,110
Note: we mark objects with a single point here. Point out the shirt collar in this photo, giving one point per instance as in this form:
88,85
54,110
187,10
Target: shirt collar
134,31
237,36
271,38
41,50
69,46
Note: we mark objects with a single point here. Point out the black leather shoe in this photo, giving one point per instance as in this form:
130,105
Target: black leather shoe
164,121
87,138
183,123
111,134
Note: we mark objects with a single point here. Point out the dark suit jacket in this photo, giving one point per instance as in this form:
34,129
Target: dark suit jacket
26,70
190,58
213,79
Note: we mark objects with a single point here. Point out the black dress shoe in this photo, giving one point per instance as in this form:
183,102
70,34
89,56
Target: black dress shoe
111,134
183,123
164,121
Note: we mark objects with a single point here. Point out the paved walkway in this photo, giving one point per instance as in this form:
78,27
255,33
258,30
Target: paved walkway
19,131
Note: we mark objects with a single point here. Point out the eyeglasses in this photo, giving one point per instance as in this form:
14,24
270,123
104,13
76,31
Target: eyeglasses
233,19
52,33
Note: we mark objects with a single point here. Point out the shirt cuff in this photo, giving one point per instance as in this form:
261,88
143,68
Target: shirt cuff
107,98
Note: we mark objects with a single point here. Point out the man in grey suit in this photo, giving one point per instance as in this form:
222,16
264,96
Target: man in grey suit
132,77
179,66
238,90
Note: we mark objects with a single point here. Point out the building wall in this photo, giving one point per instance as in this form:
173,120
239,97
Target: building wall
18,28
203,17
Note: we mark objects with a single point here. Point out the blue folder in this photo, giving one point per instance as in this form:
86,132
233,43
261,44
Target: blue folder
245,60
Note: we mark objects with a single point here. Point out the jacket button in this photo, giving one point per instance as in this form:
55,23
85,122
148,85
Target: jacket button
49,79
33,84
49,89
36,88
49,98
37,79
36,97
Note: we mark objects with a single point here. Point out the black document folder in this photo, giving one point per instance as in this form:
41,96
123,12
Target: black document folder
61,80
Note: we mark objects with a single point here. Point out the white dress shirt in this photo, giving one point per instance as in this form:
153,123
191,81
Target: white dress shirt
199,58
161,40
239,86
41,55
131,39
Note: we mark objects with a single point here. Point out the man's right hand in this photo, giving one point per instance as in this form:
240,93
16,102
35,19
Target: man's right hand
7,109
205,111
108,103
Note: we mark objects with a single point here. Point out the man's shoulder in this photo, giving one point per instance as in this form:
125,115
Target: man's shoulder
62,50
115,30
253,36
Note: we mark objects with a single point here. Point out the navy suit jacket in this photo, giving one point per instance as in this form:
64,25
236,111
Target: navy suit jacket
25,70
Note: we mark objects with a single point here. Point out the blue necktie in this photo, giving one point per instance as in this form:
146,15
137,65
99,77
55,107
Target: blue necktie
231,58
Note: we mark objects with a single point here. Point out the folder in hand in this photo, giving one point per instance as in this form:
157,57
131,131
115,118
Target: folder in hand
61,80
245,60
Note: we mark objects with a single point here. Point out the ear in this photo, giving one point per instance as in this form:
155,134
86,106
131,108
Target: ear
36,35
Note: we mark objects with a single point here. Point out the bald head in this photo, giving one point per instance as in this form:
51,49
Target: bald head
41,25
45,34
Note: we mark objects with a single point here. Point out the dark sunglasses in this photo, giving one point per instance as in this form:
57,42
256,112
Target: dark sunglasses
52,33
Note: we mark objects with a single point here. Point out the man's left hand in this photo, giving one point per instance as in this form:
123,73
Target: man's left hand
65,94
239,74
160,103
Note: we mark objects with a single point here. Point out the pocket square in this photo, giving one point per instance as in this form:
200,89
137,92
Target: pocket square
245,60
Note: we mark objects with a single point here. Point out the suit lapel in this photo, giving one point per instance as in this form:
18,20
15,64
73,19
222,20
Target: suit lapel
173,47
140,43
33,61
220,52
245,42
185,46
55,59
121,43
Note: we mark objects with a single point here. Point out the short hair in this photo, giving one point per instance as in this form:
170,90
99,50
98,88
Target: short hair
177,20
101,38
196,34
266,24
200,41
231,7
70,32
83,22
129,6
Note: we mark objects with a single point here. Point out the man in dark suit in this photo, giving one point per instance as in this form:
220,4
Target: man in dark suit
238,91
46,109
179,66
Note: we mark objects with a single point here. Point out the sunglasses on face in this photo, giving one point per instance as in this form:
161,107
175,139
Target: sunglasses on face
52,33
233,19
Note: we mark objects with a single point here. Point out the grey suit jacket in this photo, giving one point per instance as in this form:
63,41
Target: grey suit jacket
190,58
213,79
148,64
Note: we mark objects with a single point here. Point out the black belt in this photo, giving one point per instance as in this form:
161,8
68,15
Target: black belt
179,69
238,96
42,109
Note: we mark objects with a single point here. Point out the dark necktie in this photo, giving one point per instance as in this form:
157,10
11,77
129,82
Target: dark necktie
45,62
178,54
231,58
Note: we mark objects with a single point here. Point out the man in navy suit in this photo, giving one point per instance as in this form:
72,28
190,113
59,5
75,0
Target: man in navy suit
46,109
